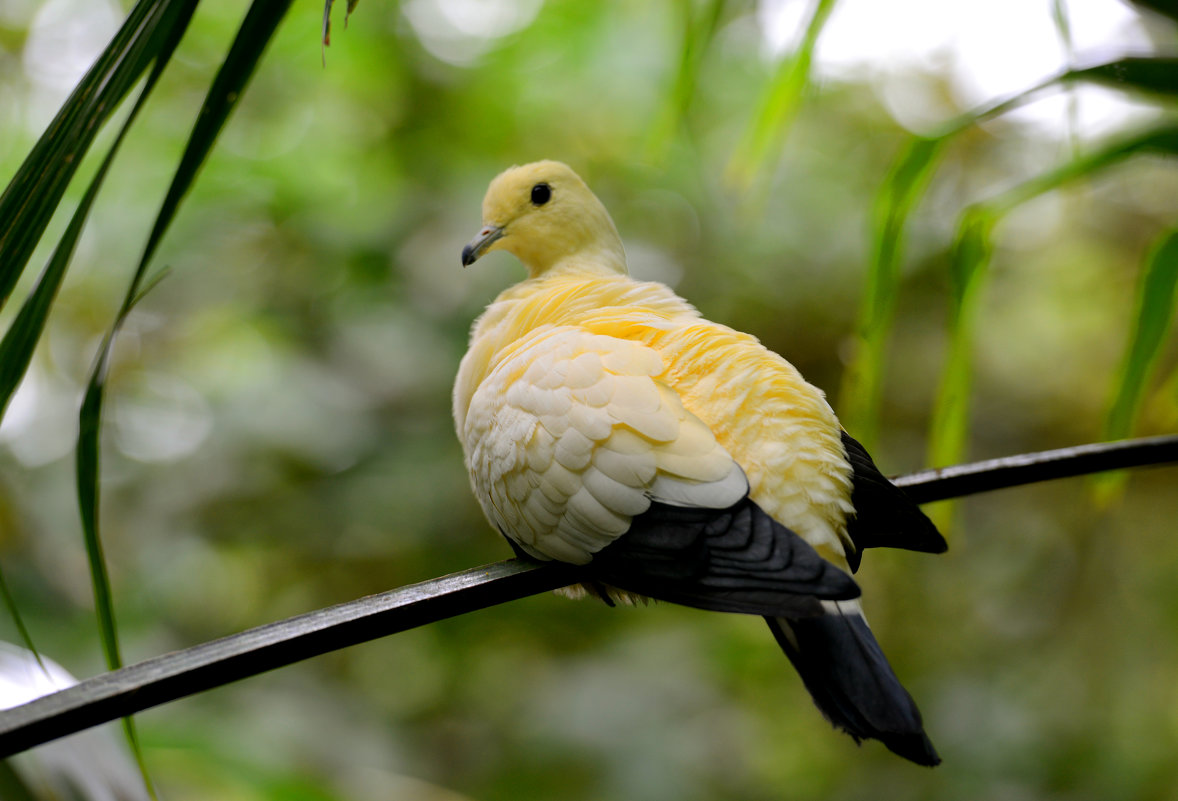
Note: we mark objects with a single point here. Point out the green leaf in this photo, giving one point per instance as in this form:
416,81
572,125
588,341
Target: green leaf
780,104
159,37
949,429
1156,298
31,198
258,27
17,347
1162,140
21,629
969,258
1168,8
862,387
1156,75
698,32
861,393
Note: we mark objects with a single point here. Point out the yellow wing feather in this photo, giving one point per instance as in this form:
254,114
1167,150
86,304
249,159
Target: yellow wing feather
570,434
749,400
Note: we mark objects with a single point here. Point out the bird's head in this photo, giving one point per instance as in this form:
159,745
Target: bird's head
545,215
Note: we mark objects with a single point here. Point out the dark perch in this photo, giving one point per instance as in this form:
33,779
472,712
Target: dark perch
202,667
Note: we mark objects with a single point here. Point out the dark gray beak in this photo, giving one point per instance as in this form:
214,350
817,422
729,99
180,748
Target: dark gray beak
478,246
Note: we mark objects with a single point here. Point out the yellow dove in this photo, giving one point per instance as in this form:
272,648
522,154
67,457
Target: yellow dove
605,423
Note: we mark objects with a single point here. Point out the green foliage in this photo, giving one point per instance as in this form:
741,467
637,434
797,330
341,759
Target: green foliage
1156,75
862,387
1155,310
898,197
152,30
257,28
277,436
970,257
698,31
781,101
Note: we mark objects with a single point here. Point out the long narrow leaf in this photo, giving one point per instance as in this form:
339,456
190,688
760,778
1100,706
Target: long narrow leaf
16,351
21,629
698,32
26,330
1156,297
908,179
1166,7
1157,75
18,344
1162,140
257,29
159,36
259,25
780,104
862,387
33,195
969,260
970,257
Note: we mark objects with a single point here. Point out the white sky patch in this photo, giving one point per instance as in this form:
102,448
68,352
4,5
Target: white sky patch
65,38
41,423
991,50
461,31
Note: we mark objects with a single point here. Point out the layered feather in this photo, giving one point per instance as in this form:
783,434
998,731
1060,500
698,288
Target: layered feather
660,370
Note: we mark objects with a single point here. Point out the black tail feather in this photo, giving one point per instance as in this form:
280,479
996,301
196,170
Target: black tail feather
852,683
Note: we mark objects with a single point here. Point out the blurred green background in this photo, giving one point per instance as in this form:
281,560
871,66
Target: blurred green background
278,434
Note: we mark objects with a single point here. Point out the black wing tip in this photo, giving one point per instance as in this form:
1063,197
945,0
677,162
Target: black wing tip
893,519
922,536
915,747
838,584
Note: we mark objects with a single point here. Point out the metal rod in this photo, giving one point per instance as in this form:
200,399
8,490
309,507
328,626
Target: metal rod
202,667
960,480
182,673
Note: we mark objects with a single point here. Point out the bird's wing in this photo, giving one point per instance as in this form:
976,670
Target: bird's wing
571,435
578,452
884,514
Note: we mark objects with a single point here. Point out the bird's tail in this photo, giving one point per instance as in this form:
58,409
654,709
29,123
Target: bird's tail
851,681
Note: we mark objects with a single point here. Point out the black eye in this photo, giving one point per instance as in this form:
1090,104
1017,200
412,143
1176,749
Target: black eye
541,194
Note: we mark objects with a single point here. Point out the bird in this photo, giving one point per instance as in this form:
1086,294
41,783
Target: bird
605,423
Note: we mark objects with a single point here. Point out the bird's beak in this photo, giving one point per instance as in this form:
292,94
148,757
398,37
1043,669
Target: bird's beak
478,246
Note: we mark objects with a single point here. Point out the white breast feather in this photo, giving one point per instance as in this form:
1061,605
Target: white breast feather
571,435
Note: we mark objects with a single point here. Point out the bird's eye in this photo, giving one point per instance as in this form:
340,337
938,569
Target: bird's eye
541,194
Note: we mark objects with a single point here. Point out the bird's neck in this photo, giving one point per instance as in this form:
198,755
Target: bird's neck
596,260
